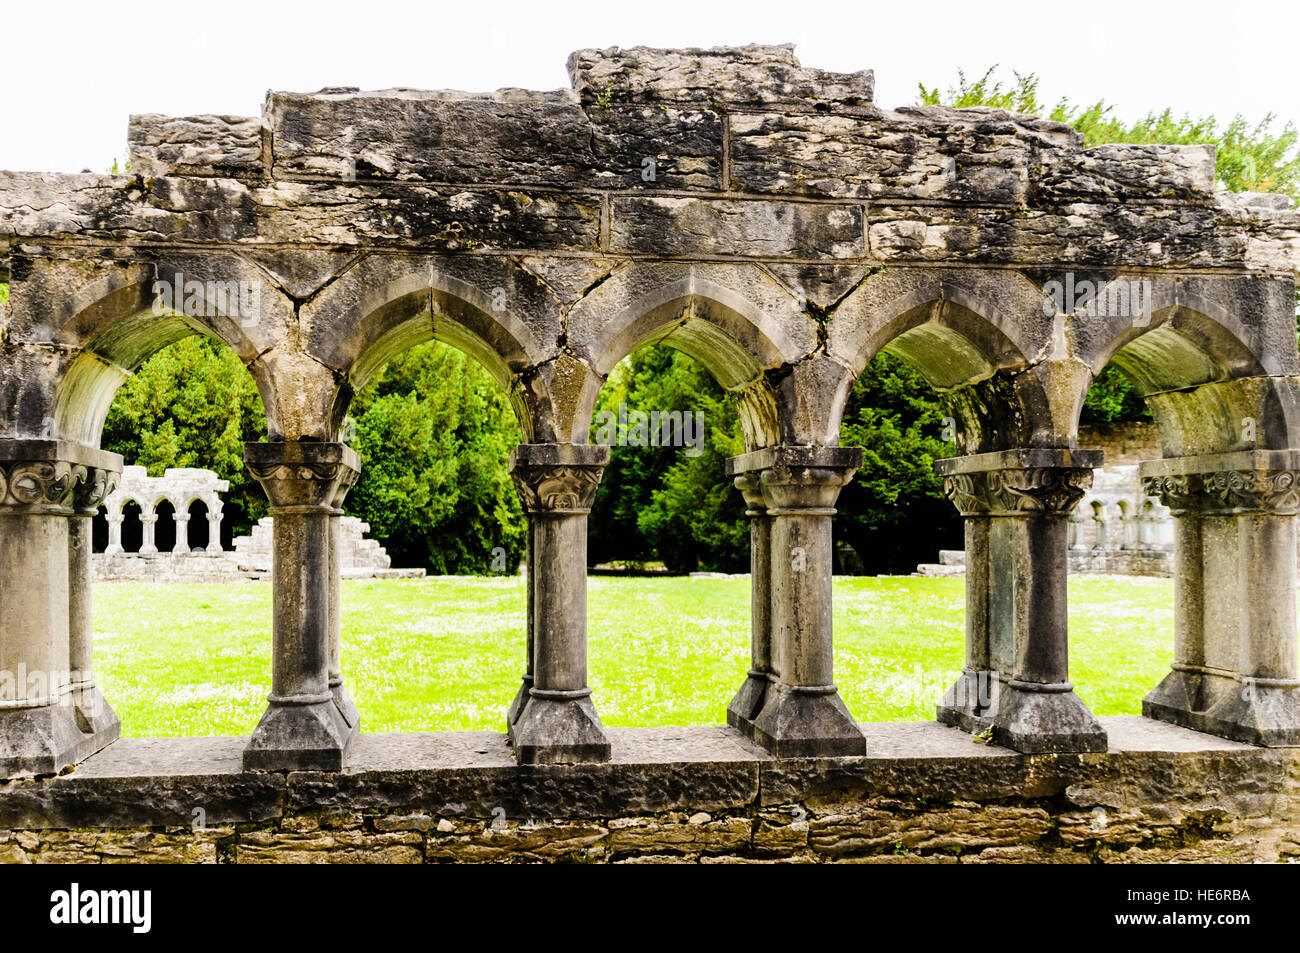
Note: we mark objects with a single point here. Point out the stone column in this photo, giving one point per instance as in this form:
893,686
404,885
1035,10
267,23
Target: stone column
147,523
40,732
1235,670
214,526
558,723
182,519
802,714
744,708
303,727
94,716
1016,681
526,682
342,697
114,533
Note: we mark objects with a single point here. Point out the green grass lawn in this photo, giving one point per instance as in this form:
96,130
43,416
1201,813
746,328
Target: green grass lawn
447,653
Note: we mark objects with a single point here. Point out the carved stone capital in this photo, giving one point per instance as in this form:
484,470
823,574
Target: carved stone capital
301,476
794,478
557,488
811,490
1227,492
1181,492
557,479
750,486
1050,491
1250,481
96,485
1252,491
346,483
53,476
967,492
1031,481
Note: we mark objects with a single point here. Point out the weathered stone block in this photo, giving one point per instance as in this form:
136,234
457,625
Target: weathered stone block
212,146
711,227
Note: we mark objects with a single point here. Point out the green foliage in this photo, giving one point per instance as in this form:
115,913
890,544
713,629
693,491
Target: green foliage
1112,399
433,429
192,404
4,292
1258,158
661,502
894,513
1249,158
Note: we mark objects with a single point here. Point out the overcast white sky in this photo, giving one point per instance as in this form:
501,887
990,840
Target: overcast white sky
75,71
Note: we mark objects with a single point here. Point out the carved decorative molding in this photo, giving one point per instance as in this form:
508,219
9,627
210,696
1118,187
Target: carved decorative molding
967,493
1049,491
39,484
1046,490
557,488
302,477
1228,491
96,485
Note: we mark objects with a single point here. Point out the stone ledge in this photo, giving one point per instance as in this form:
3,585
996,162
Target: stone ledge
924,793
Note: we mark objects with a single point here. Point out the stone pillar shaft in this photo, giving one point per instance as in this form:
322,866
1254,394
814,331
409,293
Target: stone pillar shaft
1235,668
744,708
147,523
342,697
303,727
1015,683
182,533
49,718
94,716
558,722
792,493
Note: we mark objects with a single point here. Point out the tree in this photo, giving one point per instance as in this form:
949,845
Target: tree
433,430
192,404
1258,158
670,503
894,513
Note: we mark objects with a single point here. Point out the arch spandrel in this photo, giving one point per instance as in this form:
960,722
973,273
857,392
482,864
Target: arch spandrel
980,338
738,322
118,320
492,310
1214,358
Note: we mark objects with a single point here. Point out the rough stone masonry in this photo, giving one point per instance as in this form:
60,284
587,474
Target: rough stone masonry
770,220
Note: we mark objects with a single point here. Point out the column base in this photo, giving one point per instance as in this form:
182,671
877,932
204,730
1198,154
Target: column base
1039,719
45,740
517,707
1253,712
311,737
748,703
347,707
970,702
559,730
798,722
95,717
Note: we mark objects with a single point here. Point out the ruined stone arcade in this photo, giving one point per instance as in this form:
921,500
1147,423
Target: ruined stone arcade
769,220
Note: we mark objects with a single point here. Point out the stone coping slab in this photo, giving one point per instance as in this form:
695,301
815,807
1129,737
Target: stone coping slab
160,782
1021,459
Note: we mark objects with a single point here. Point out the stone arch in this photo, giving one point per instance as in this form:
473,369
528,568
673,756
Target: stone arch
739,323
383,307
1202,370
115,323
974,335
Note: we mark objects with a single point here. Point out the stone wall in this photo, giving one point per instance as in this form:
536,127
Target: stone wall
923,794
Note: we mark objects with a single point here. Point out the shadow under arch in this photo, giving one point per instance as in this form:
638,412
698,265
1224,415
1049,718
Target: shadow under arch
427,307
735,339
979,372
1207,388
116,326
